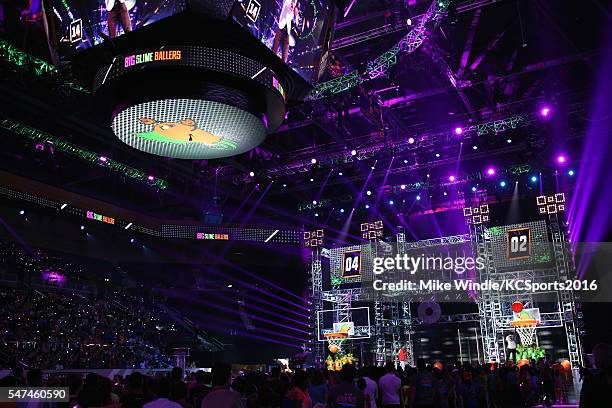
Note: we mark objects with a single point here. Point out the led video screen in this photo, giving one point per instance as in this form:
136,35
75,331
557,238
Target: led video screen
189,129
295,30
81,24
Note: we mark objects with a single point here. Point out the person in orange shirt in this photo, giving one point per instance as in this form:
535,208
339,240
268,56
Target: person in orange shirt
402,356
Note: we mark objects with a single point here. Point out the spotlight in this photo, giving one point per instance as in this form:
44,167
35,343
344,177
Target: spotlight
502,183
132,240
103,159
367,206
129,224
284,185
313,161
545,111
316,214
473,189
391,202
403,186
251,174
458,130
230,286
405,161
21,212
314,202
82,228
353,152
491,171
372,167
151,178
437,154
561,159
341,174
445,193
534,179
63,206
571,172
451,178
311,179
427,175
342,210
409,22
509,141
418,198
475,147
368,192
411,140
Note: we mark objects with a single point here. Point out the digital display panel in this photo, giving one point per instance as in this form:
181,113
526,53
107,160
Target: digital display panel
81,24
295,30
351,264
189,128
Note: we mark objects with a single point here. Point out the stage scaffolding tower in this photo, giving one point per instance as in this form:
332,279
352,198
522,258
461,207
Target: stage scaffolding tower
316,281
494,307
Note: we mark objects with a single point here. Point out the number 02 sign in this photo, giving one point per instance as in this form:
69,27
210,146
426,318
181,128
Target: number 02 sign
518,244
351,264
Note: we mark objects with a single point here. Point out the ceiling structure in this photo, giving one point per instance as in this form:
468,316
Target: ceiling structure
488,67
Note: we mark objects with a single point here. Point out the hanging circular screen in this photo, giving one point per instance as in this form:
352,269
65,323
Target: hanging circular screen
189,128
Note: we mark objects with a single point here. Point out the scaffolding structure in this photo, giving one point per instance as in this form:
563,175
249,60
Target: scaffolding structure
393,324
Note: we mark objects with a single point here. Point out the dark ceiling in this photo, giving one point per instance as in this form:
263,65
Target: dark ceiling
487,60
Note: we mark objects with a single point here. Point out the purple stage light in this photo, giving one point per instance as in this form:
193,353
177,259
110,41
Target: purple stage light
252,174
411,140
451,178
151,178
491,171
403,186
561,159
367,206
103,159
545,111
458,130
353,152
313,161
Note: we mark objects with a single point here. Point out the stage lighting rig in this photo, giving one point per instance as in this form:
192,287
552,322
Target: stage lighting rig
313,239
476,215
372,230
551,204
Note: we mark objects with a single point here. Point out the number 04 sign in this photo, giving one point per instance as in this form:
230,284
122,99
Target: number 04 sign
351,264
518,243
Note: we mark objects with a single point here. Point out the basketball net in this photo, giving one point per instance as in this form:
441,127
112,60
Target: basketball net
527,334
334,341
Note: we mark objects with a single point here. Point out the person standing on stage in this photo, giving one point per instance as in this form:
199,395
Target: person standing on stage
402,356
511,346
287,14
118,11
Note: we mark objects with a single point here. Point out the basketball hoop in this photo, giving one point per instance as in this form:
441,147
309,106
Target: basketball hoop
526,330
335,341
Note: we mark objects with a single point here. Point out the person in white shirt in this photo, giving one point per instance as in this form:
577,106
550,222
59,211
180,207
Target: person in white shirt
511,346
287,14
390,385
162,390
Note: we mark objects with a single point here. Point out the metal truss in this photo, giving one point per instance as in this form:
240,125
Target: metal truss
36,66
316,282
378,150
380,65
567,304
400,25
454,239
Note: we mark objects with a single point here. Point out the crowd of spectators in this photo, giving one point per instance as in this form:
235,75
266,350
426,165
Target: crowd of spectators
424,386
63,329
